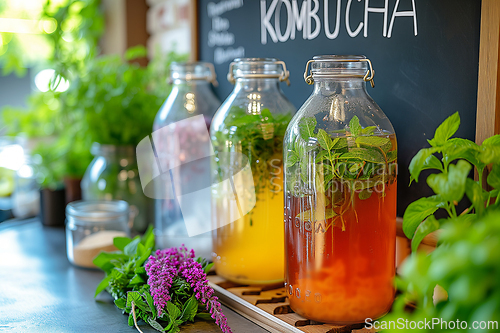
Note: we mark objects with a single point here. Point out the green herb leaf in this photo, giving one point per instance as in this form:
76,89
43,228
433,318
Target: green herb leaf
317,215
154,324
266,115
375,141
131,248
340,143
475,194
121,242
419,162
429,225
140,270
451,186
136,280
490,154
369,130
494,177
121,303
173,310
363,154
106,260
208,267
324,140
135,296
189,309
131,319
446,130
306,128
291,159
365,194
418,211
492,141
354,126
322,155
432,162
458,148
148,239
102,285
150,301
392,156
204,316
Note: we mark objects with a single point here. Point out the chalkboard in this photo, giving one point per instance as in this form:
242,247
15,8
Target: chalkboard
425,54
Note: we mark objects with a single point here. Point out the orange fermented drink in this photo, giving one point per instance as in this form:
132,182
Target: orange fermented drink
342,276
340,157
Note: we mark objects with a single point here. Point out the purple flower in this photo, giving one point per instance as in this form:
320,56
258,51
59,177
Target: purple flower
171,263
161,274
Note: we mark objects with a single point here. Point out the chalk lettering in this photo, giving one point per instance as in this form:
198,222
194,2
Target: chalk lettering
266,26
347,23
369,9
217,9
395,13
299,19
326,17
304,17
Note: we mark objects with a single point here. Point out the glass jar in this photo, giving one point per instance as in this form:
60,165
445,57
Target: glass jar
26,195
179,139
113,175
249,248
340,197
91,227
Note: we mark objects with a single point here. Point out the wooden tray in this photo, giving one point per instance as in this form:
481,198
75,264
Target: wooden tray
268,307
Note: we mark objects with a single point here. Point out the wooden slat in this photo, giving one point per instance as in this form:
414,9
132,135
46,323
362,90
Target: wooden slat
193,16
294,319
275,308
488,88
252,312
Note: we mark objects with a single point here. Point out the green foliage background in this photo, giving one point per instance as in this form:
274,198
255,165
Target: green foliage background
111,100
466,262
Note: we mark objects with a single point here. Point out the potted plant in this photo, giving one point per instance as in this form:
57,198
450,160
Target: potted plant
118,101
466,262
59,151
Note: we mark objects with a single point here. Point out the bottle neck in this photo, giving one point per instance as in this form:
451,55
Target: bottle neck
344,86
257,85
179,82
113,151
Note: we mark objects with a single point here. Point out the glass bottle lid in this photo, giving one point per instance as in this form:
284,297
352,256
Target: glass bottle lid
339,66
190,71
258,68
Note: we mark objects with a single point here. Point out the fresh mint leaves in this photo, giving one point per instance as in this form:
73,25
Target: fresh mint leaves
466,261
258,136
353,161
306,128
354,154
451,182
126,280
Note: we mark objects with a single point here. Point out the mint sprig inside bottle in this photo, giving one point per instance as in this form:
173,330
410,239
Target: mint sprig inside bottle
340,157
348,163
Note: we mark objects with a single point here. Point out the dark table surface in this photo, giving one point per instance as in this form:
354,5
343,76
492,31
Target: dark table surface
40,291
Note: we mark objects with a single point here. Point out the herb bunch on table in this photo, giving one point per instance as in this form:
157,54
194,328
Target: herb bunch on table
165,290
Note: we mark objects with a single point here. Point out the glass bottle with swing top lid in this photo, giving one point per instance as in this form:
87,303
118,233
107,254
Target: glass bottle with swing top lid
247,134
177,142
340,197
